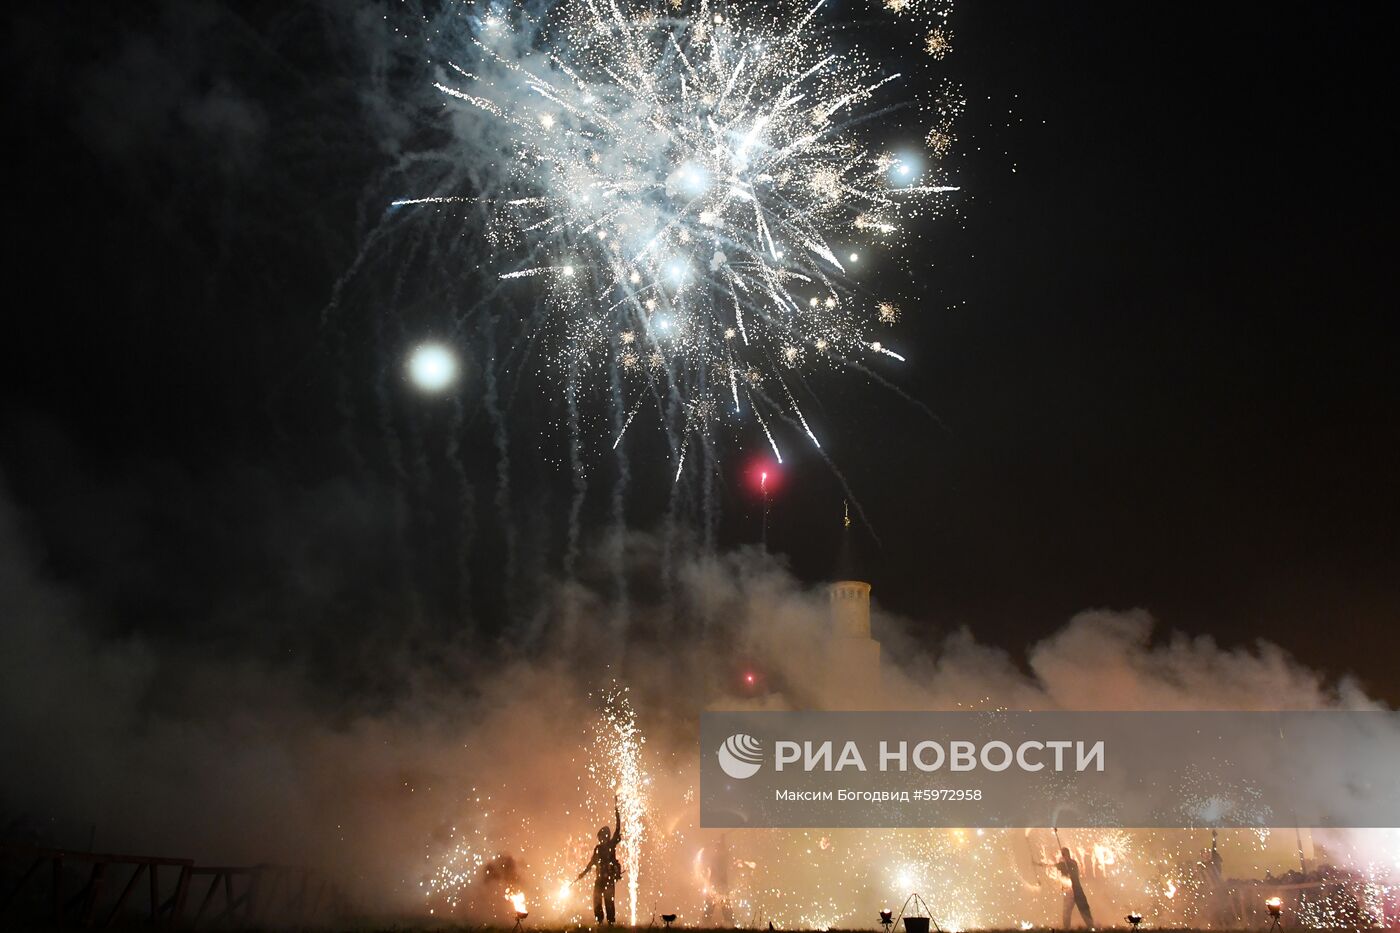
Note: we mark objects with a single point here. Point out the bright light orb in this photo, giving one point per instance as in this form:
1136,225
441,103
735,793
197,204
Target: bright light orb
692,179
905,170
432,367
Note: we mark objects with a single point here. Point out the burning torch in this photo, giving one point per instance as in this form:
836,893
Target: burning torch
517,902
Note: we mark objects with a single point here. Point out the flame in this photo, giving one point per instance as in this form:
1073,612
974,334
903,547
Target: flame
1171,889
517,900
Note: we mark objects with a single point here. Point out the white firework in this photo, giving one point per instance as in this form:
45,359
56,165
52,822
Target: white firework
692,190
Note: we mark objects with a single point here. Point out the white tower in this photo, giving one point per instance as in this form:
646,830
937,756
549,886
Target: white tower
850,609
853,657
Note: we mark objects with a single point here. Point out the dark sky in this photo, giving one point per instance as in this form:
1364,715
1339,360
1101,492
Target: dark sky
1156,333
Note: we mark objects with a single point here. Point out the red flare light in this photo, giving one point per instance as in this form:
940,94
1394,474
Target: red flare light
764,476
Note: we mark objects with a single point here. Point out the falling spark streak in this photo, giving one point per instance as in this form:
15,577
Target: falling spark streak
627,424
771,443
710,170
880,348
800,417
442,200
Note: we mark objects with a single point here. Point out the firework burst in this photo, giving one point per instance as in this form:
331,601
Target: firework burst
938,43
693,192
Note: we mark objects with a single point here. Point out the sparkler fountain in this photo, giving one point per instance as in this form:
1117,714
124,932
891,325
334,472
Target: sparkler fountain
619,756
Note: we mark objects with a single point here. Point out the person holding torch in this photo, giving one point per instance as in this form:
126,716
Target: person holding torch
606,868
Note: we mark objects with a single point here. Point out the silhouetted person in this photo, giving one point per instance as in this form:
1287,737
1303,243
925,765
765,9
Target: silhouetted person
1217,890
1074,894
717,882
606,869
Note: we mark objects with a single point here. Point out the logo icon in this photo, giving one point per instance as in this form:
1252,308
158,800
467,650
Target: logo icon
740,756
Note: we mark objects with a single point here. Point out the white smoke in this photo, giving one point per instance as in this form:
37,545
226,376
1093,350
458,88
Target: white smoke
182,752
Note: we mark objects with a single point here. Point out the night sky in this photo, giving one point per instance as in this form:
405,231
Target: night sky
1155,331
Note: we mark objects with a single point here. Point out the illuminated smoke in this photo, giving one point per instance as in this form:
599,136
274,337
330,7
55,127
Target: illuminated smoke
486,779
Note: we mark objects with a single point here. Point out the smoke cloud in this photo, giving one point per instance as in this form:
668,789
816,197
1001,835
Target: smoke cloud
410,800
